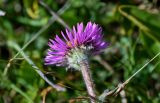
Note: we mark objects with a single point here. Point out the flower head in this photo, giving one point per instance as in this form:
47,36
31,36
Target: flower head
76,46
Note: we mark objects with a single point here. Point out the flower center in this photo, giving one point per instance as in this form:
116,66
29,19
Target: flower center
77,55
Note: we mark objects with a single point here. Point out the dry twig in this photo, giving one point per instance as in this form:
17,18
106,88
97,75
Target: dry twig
120,87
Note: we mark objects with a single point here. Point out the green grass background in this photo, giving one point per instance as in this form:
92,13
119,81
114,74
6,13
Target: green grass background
131,26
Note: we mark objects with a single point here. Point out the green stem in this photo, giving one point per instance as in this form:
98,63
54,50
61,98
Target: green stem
45,27
140,69
135,21
16,46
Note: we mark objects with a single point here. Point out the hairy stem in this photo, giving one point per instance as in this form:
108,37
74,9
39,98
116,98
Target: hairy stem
88,80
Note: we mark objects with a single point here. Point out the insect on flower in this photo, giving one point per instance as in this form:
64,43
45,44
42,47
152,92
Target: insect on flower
77,45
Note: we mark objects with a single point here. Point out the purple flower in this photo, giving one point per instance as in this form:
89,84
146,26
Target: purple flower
79,41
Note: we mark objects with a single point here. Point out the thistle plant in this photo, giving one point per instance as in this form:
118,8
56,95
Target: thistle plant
74,50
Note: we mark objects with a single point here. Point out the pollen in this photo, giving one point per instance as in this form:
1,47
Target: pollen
69,44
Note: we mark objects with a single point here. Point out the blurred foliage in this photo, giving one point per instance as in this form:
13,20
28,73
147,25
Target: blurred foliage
131,26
